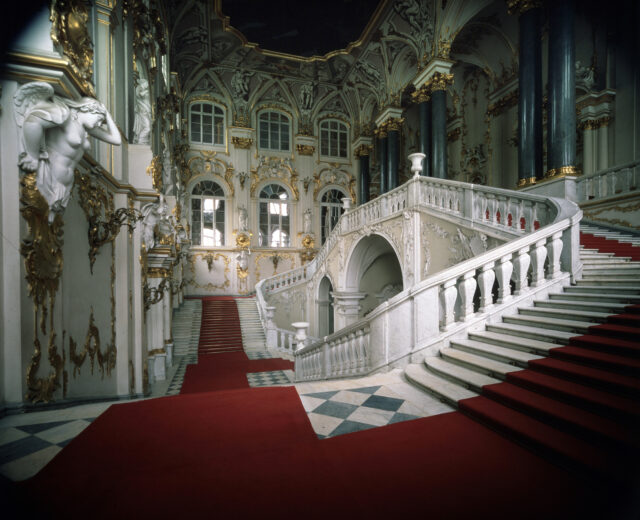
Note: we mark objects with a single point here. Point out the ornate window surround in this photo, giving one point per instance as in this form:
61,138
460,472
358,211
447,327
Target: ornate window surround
222,126
283,242
259,128
341,128
224,198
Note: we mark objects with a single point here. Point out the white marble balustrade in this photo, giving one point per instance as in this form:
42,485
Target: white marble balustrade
609,182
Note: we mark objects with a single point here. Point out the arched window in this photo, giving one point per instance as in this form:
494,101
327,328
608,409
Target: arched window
274,217
274,129
330,211
207,214
206,124
333,139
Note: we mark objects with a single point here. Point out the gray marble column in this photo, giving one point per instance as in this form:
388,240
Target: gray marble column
364,177
393,157
439,133
425,136
530,99
561,121
384,164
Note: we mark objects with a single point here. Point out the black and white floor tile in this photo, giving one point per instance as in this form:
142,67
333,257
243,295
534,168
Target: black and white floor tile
258,354
337,412
272,378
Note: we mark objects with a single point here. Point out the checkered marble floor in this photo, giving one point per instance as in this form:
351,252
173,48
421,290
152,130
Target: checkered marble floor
345,411
273,378
186,334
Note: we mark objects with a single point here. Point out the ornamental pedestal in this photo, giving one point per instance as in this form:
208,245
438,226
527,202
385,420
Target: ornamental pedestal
347,305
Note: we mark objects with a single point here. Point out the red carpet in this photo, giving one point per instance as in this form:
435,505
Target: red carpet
605,245
237,452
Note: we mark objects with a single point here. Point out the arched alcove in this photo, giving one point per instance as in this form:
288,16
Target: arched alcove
374,270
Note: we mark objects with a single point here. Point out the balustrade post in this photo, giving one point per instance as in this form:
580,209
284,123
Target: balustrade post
554,250
504,269
325,368
360,350
521,265
467,289
538,256
448,296
485,280
272,333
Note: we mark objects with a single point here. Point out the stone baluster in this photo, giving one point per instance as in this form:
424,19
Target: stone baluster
504,269
502,202
485,281
554,250
521,264
538,256
359,350
448,297
467,289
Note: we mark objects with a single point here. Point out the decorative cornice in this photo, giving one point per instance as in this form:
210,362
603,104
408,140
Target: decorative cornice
242,142
305,149
157,272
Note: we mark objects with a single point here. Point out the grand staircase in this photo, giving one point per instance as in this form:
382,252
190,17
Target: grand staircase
561,376
219,332
253,336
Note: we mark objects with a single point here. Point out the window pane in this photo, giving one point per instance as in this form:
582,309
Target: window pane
207,109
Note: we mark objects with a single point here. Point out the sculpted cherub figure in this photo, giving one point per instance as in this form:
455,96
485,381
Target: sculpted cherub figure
53,136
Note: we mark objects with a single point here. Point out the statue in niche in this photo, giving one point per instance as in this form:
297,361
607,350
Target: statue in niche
307,221
306,96
240,84
142,121
584,76
243,219
53,136
156,222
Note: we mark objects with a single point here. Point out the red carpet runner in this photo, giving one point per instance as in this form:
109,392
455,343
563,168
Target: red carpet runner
222,450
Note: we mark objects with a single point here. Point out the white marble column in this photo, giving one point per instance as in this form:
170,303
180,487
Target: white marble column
347,306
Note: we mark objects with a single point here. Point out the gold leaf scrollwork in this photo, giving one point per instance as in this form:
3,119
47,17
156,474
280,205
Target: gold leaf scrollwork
106,360
155,170
42,252
69,30
153,295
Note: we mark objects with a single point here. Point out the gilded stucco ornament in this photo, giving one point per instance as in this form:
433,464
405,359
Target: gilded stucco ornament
104,222
305,149
42,252
54,135
155,170
243,143
157,225
106,360
69,30
153,295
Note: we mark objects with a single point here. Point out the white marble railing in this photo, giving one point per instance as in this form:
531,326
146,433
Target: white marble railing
417,317
609,182
541,228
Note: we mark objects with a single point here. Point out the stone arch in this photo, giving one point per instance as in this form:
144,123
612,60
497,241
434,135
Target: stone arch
324,307
373,272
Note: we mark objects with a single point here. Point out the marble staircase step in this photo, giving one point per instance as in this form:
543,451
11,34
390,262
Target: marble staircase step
610,308
441,388
469,379
612,296
632,289
489,367
582,316
566,325
482,345
536,333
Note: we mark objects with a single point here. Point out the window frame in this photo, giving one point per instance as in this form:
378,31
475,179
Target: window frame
218,123
283,118
341,129
271,230
201,198
330,205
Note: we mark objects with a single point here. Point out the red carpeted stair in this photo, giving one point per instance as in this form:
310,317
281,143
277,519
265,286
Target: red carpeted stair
605,245
220,327
581,405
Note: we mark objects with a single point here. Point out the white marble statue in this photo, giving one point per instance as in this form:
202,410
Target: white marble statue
53,136
142,121
306,96
240,84
585,76
243,260
243,219
307,221
156,217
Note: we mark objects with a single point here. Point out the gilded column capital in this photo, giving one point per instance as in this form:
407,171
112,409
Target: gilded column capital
422,95
363,150
522,6
381,131
394,124
242,142
439,81
305,149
